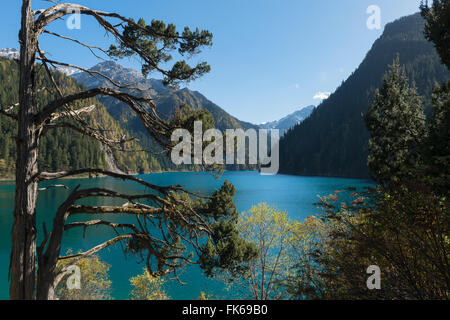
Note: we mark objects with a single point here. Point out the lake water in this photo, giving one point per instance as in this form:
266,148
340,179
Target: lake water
294,194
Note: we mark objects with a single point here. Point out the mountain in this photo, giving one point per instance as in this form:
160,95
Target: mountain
167,100
10,53
67,70
290,121
62,149
333,140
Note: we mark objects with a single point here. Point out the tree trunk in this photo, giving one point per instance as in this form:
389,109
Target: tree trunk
23,252
46,280
48,260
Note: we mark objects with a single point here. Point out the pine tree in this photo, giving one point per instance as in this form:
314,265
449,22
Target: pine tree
396,123
437,28
437,146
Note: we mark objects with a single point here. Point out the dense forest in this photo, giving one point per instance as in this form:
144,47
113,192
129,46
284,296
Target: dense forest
333,141
61,148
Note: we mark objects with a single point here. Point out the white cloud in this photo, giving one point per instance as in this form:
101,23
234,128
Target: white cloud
322,95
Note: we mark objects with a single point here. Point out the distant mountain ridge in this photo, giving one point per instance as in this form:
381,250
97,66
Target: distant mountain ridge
120,74
289,121
13,53
167,100
333,140
10,53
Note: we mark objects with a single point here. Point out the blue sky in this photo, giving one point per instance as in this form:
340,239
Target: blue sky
269,58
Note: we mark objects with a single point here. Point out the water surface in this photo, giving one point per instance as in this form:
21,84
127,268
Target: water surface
294,194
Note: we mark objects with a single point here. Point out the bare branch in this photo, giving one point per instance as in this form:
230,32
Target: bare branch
129,209
60,10
7,112
90,47
51,14
77,257
53,106
54,186
75,114
45,176
58,89
92,73
71,113
92,223
91,133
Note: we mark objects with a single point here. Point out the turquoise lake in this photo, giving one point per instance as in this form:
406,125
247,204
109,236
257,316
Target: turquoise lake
294,194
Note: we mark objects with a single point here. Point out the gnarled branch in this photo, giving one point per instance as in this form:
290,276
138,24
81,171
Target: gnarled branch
92,223
54,186
72,113
111,143
45,176
133,209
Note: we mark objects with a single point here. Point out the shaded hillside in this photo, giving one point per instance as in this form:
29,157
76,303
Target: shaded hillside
333,140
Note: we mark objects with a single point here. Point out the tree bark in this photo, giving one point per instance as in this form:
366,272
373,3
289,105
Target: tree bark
23,252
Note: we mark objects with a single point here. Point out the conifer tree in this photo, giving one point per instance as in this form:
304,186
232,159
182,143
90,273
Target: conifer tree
437,145
437,28
396,123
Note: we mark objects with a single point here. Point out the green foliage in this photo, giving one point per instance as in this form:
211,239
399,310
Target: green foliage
271,231
396,123
436,148
147,287
95,283
280,244
215,240
437,28
203,296
185,117
156,41
226,250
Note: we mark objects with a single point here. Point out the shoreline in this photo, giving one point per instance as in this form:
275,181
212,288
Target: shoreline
88,176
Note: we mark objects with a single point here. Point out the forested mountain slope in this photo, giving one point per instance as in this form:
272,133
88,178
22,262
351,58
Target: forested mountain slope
333,140
62,148
167,101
